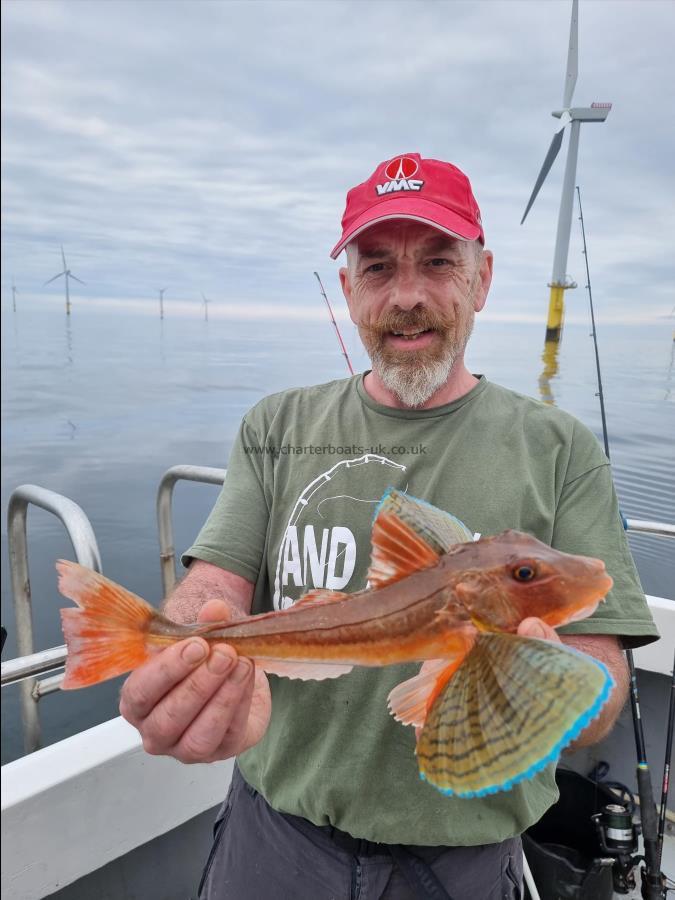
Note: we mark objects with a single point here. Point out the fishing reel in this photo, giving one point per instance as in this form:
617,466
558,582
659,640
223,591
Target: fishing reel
618,839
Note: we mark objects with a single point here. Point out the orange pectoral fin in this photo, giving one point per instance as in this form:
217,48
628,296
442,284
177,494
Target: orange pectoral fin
410,701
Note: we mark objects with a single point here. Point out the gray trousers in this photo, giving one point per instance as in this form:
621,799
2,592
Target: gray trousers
261,854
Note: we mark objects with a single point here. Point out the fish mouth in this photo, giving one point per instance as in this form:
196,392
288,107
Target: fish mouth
596,589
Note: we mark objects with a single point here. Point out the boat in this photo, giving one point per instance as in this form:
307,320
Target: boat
94,816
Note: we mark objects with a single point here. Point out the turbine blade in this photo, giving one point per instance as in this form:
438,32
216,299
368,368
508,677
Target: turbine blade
548,162
76,279
572,56
53,279
63,257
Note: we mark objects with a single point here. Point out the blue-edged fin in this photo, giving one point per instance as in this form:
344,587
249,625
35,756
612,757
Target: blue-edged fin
508,711
437,528
409,535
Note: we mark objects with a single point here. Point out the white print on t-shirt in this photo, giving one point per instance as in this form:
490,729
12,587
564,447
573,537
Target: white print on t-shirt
311,556
311,566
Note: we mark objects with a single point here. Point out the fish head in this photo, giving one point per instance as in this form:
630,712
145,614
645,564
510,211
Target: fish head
515,576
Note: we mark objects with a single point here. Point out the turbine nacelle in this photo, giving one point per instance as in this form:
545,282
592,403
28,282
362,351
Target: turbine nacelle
596,112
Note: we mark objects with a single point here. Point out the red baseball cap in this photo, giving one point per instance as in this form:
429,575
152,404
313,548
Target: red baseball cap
430,191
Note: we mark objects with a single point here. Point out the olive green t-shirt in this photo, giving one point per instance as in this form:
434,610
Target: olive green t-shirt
304,477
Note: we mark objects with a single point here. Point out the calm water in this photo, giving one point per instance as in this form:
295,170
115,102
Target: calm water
98,407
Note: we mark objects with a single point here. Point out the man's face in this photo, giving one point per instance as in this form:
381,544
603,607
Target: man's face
413,291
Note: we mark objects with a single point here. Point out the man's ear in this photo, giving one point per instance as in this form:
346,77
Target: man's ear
346,285
485,280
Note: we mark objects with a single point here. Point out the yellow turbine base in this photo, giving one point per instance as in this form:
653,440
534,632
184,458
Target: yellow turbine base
556,313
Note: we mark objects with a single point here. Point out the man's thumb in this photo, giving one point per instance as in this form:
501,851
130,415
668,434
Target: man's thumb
215,611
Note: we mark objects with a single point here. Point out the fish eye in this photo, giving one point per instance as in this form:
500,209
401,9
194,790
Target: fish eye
524,573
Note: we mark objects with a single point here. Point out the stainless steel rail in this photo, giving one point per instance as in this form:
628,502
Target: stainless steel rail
661,528
167,552
86,550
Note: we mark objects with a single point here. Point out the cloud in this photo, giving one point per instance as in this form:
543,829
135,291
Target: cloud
210,147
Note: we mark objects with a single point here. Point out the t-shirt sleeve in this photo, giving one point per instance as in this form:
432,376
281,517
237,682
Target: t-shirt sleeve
588,522
233,537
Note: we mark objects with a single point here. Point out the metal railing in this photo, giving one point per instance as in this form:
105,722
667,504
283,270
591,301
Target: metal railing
86,550
661,528
167,552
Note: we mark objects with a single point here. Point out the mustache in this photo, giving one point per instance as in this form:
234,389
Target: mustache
420,319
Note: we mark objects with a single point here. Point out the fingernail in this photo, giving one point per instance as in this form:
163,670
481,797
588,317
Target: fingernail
241,673
538,631
219,662
193,652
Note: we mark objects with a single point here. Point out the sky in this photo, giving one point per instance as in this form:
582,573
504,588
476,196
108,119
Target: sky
207,147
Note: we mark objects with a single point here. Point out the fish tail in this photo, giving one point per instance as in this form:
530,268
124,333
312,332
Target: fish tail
508,711
110,632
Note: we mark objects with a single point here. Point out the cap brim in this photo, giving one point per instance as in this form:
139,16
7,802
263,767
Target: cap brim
415,209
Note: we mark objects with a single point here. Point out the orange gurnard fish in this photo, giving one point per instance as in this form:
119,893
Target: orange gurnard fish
494,708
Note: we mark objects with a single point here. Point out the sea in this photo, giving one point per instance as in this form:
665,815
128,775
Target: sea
99,404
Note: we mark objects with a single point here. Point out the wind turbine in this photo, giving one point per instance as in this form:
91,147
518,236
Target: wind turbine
68,274
572,116
160,291
14,293
206,307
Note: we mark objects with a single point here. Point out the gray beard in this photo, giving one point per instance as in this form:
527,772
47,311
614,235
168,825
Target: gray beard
413,385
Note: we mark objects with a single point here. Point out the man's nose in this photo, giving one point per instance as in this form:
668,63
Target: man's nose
406,289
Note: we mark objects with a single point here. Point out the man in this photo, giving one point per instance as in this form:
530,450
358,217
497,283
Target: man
326,801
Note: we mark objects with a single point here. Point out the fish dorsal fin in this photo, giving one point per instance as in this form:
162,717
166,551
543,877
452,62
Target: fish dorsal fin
320,596
435,526
409,535
397,551
507,712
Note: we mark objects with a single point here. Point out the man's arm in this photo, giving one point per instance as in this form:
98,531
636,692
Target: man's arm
205,582
192,704
607,649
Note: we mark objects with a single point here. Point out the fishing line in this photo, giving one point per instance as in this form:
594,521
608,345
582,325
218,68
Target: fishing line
335,325
652,882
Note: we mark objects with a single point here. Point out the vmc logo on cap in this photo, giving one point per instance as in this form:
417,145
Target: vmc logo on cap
399,172
428,191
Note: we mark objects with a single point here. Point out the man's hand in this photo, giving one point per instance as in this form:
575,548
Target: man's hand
195,705
536,628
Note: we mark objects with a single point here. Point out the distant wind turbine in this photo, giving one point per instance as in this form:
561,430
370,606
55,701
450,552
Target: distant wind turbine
572,116
206,307
68,274
14,293
161,302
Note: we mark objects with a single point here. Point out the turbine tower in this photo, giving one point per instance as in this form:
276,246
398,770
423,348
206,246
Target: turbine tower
14,293
160,291
206,307
572,116
68,274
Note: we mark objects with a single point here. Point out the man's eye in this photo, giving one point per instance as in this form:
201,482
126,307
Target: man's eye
376,267
439,262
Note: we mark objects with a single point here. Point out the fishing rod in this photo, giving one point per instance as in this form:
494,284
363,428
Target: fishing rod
666,765
653,883
335,325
